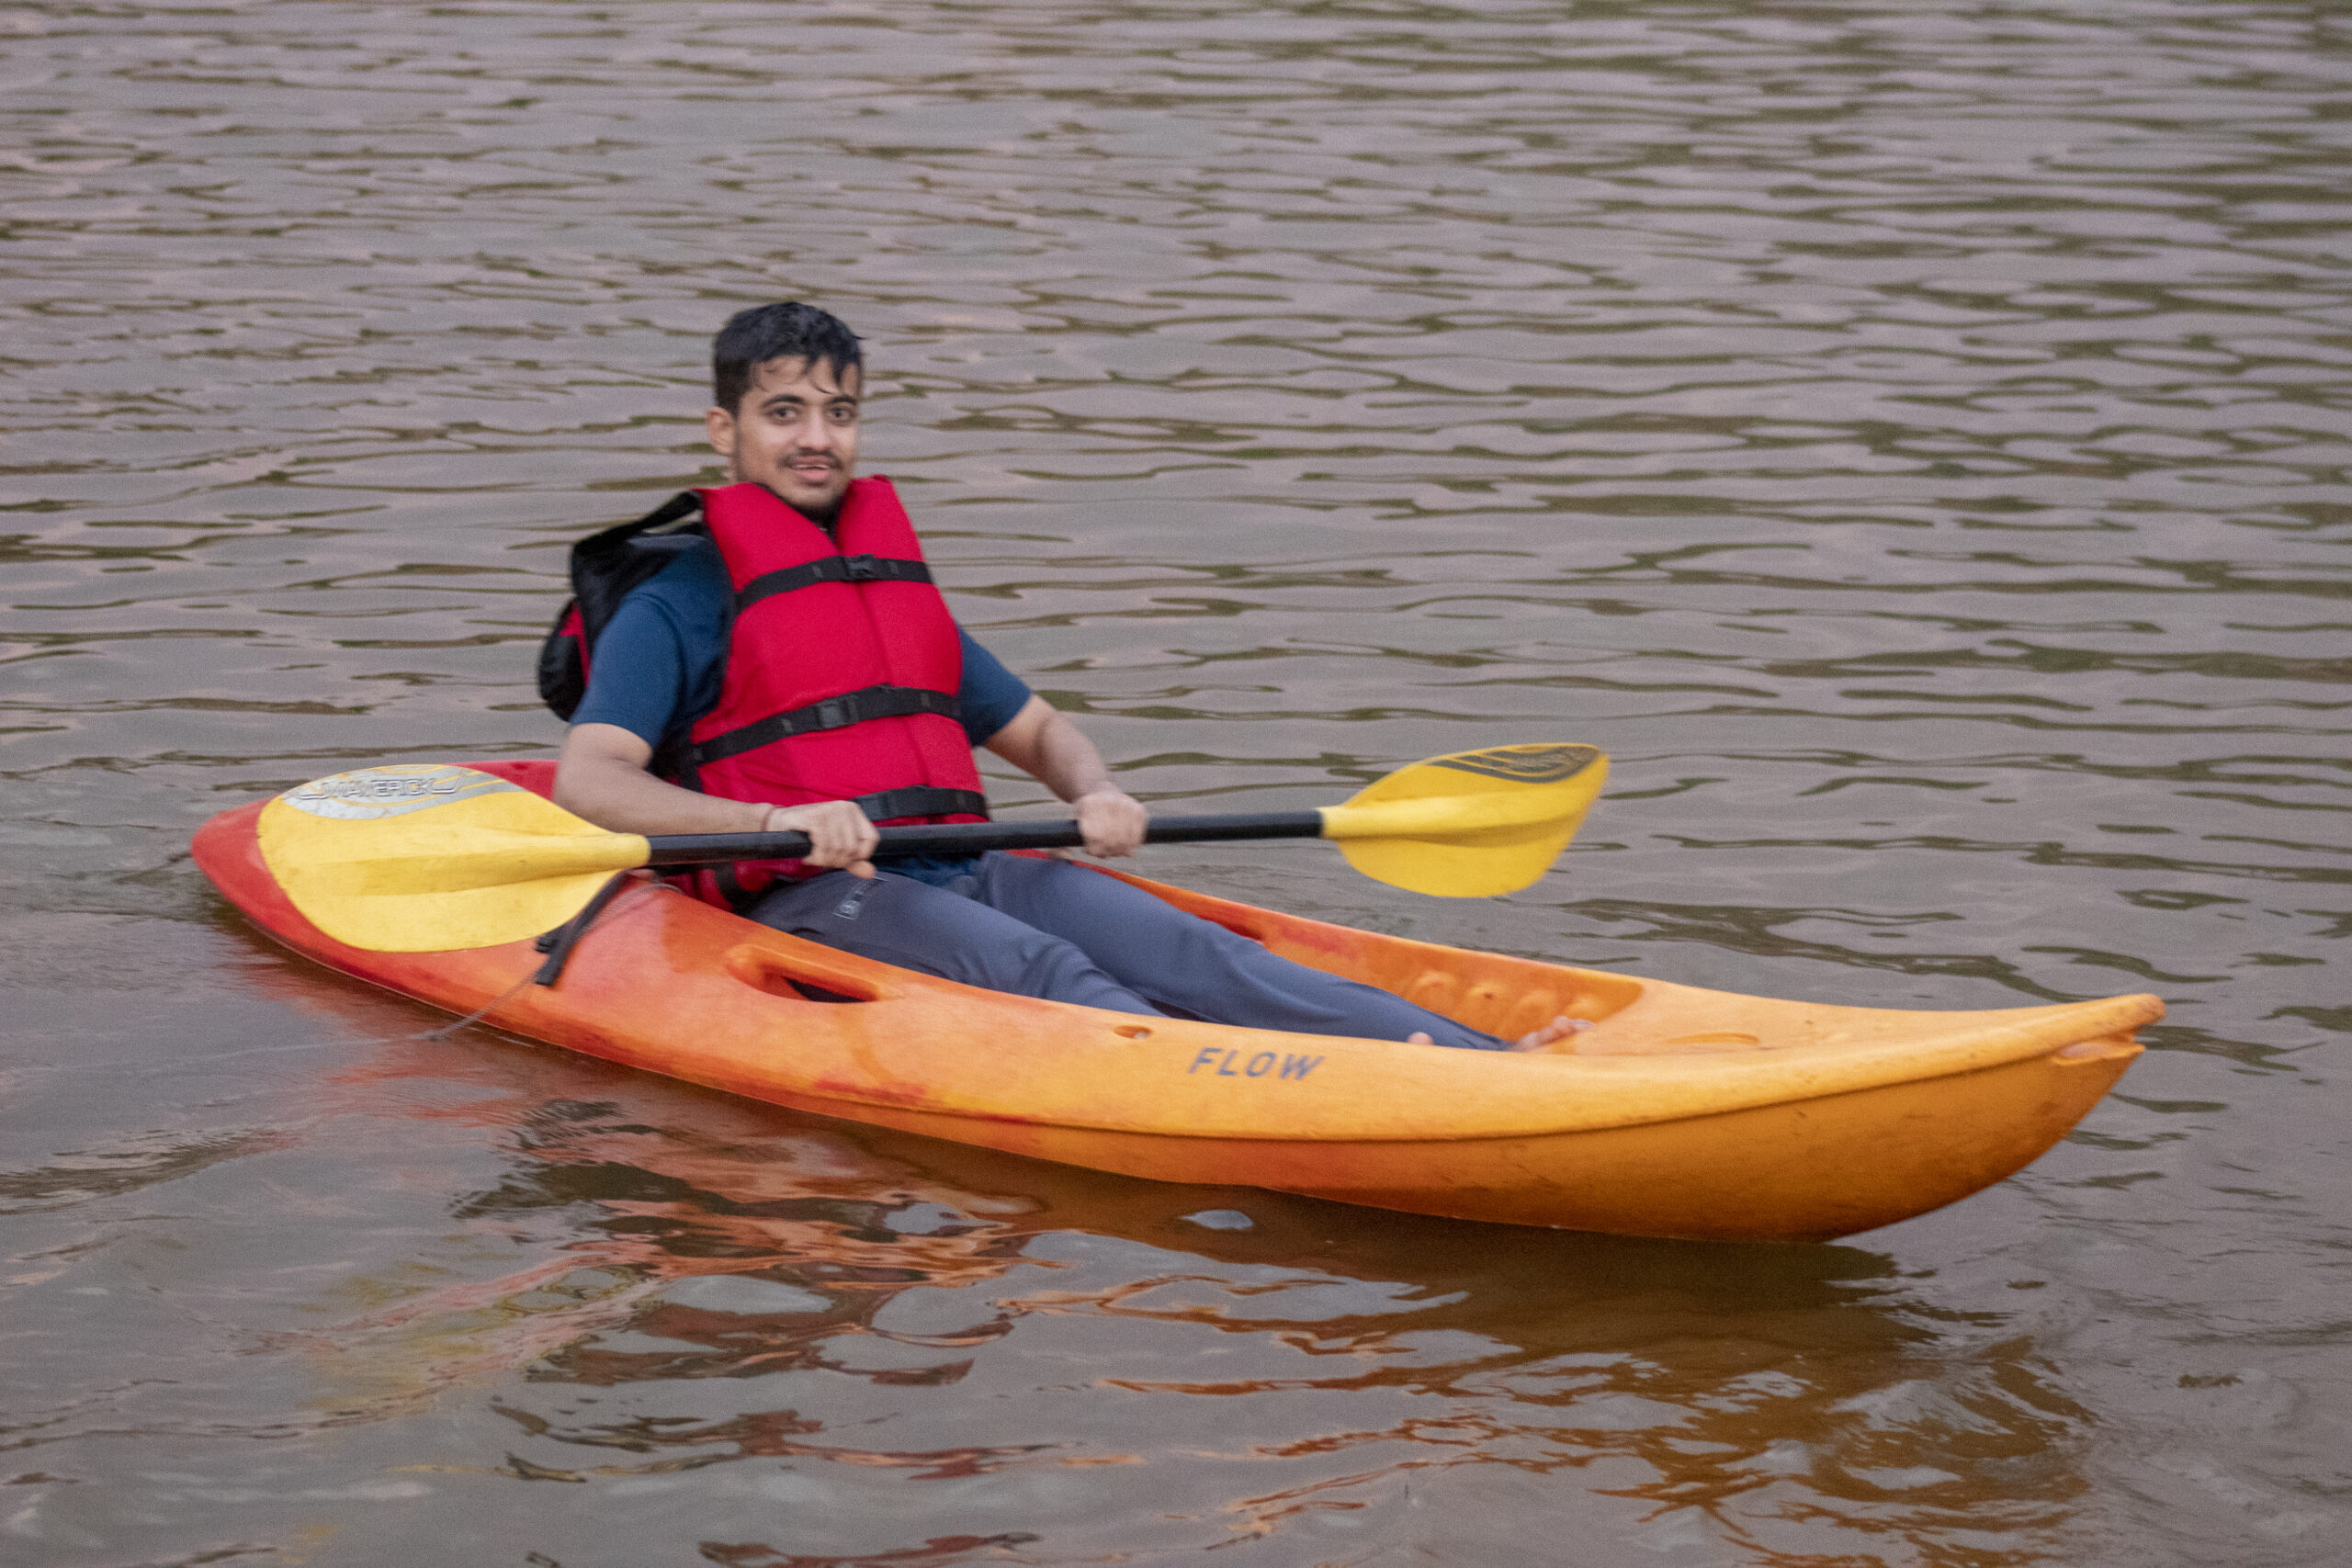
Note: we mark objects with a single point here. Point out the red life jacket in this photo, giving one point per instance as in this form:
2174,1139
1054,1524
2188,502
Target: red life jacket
843,668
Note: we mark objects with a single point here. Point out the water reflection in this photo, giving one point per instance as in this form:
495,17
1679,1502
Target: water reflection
714,1286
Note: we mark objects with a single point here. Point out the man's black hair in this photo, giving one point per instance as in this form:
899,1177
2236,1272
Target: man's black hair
790,330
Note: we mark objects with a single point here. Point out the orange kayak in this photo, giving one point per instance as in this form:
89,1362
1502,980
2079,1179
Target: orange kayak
1682,1112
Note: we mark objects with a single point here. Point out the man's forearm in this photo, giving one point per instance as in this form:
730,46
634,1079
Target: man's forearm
1060,756
598,780
1048,748
603,778
1072,766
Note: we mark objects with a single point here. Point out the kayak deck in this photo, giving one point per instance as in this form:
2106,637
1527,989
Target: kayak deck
1680,1113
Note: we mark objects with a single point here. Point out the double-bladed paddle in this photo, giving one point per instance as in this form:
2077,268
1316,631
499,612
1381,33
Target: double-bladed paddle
425,857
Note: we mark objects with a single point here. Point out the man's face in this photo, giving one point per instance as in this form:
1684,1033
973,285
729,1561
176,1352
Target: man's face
795,432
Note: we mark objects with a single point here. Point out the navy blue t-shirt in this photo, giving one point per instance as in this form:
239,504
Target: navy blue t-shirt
660,663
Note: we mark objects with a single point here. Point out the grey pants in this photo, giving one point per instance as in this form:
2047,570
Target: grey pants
1047,928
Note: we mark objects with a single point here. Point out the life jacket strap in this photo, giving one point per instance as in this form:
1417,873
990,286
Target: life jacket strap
922,800
833,713
830,568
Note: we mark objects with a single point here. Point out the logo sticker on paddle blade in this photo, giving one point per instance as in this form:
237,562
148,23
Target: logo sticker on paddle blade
1525,765
392,791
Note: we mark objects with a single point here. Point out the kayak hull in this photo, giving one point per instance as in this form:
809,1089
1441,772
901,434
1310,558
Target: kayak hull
1683,1113
1809,1171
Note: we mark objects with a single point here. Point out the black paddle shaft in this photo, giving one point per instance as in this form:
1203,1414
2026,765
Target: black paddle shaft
974,838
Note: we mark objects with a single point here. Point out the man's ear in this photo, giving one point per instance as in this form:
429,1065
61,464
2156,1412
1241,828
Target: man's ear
720,426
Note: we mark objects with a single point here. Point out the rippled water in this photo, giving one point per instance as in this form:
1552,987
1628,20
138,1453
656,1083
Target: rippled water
1909,438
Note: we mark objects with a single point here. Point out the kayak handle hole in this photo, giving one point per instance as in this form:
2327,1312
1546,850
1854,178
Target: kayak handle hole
1133,1030
763,969
813,992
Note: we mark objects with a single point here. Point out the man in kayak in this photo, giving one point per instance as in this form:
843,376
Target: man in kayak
796,669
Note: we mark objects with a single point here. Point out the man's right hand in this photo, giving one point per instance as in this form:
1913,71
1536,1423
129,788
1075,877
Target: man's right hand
839,834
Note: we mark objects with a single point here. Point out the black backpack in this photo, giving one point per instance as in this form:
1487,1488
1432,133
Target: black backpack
605,566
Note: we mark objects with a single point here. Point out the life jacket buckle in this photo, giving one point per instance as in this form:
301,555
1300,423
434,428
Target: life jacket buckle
837,713
862,568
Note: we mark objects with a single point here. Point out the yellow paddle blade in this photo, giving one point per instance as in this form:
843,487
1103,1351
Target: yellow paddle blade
1471,825
423,857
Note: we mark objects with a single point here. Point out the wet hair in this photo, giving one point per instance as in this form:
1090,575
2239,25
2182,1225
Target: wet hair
789,331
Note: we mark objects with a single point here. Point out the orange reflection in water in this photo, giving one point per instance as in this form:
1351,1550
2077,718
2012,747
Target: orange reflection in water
1775,1401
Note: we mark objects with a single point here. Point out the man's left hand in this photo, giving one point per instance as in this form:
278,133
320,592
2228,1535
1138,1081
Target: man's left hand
1111,820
